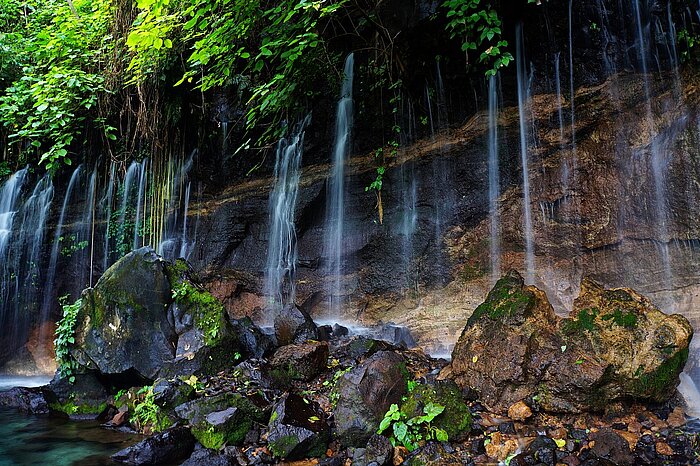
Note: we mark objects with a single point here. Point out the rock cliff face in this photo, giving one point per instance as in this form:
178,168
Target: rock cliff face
594,207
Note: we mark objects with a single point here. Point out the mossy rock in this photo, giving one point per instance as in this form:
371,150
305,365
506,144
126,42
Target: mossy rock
456,419
509,298
219,428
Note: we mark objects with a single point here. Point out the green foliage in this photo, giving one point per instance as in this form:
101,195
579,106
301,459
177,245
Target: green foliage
71,245
147,414
53,73
478,25
5,170
209,314
65,338
271,51
409,431
688,42
333,395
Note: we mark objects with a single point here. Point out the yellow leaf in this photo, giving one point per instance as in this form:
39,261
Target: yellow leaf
474,359
560,442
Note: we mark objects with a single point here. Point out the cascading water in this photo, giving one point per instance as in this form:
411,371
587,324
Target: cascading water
22,227
49,298
9,280
335,192
658,160
494,180
409,221
522,103
280,285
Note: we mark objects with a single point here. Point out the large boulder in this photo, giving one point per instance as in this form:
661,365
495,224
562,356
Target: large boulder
299,362
615,345
84,398
122,327
366,393
294,325
26,400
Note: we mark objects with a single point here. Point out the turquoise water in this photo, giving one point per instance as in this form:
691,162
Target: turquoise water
49,441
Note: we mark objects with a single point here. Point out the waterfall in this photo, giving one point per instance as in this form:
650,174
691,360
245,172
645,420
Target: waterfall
107,211
409,221
32,232
9,280
49,300
280,283
335,192
494,180
659,217
22,227
171,237
522,102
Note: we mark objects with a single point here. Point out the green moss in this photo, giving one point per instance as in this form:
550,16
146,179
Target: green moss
71,408
215,438
209,438
622,318
507,298
456,418
282,446
585,320
659,383
208,313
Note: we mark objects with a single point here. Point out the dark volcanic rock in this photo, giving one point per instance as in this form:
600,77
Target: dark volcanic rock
611,446
207,457
122,326
221,419
616,345
27,400
378,452
297,428
170,446
253,341
299,362
294,325
366,393
85,398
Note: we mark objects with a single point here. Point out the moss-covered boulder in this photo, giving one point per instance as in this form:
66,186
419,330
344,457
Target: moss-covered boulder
147,317
206,340
221,419
122,328
455,419
85,398
615,345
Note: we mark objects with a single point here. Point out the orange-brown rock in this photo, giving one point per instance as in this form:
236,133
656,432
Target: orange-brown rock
615,345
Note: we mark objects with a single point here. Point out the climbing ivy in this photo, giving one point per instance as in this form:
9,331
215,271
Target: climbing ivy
65,338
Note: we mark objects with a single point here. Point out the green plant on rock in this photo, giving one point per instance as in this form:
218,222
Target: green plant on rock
410,431
147,414
209,314
65,338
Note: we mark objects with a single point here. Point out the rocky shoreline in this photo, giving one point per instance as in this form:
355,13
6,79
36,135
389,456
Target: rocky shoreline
524,387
